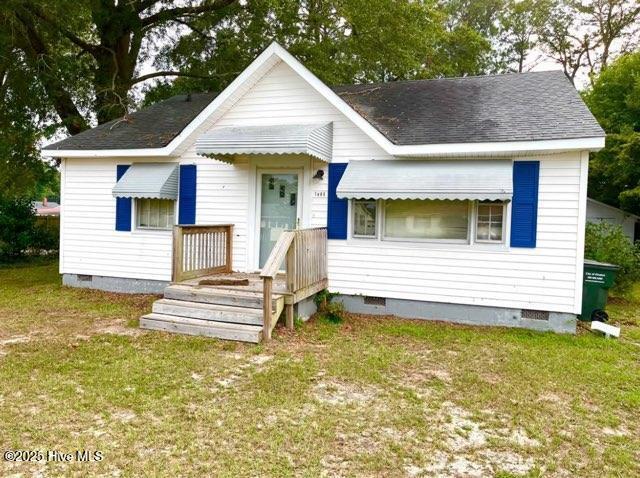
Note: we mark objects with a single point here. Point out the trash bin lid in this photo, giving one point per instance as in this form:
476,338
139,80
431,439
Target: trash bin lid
602,265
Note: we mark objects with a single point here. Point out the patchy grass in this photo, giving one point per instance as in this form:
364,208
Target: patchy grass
368,397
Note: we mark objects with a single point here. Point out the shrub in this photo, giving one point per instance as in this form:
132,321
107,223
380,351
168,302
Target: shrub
20,232
17,224
329,310
45,238
605,242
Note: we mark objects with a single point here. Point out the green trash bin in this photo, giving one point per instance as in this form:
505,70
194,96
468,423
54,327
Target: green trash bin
598,279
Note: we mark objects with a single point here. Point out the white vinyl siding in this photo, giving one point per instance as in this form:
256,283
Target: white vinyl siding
547,277
90,244
282,97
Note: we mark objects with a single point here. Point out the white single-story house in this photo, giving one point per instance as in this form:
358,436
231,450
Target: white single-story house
600,212
459,199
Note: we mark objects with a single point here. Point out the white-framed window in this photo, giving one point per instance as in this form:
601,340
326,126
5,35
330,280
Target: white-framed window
365,218
430,220
490,219
155,213
464,222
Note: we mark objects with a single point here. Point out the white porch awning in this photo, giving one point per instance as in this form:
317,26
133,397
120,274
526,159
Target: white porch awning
148,180
416,179
313,139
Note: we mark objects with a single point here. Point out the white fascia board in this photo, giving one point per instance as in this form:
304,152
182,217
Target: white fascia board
275,50
106,153
499,148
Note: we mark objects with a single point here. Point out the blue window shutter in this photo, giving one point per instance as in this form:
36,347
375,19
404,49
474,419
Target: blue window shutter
524,209
123,205
187,198
337,208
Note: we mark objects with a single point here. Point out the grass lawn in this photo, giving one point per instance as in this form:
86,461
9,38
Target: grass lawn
368,397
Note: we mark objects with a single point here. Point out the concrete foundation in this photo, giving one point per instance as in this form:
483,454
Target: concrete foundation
115,284
410,309
305,308
458,313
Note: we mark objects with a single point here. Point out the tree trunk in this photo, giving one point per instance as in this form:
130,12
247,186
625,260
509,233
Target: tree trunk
111,83
37,53
116,58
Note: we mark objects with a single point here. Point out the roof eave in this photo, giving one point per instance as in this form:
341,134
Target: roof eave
504,148
109,153
275,52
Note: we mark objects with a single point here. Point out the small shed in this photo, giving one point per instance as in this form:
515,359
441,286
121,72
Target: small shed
600,212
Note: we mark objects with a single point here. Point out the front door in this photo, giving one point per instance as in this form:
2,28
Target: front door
279,208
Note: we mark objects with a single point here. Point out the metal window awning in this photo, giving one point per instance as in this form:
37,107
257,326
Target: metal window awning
417,179
148,180
312,139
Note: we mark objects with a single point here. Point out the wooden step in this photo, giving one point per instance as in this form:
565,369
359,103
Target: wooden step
210,295
207,328
213,312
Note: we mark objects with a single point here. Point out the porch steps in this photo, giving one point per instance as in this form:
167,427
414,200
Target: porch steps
217,295
207,328
213,312
225,313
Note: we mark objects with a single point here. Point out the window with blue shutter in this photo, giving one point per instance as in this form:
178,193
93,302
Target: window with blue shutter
123,205
187,195
337,208
524,208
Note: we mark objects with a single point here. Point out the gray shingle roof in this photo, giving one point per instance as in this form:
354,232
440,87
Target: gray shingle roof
513,107
151,127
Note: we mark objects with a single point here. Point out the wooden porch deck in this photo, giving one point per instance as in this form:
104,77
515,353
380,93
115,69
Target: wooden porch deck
207,298
255,282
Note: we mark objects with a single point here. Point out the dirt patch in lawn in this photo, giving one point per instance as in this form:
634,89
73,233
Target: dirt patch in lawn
117,327
334,392
7,343
470,447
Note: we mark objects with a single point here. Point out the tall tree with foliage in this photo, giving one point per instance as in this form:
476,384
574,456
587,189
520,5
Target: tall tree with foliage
341,41
88,61
23,113
588,34
614,99
520,24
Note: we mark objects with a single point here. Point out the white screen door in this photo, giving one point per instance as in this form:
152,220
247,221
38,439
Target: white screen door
279,199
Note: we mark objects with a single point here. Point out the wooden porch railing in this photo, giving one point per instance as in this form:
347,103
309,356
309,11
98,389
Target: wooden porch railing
305,253
200,250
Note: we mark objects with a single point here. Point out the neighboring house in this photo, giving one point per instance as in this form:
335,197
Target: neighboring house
46,208
453,199
600,212
48,215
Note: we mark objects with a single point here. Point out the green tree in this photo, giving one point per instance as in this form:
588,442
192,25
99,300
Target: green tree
614,99
589,34
88,61
520,23
341,41
17,226
23,111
